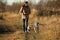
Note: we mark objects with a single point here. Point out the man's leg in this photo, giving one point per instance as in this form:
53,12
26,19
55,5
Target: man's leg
23,25
26,23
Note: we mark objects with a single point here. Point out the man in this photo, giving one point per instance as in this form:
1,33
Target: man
25,10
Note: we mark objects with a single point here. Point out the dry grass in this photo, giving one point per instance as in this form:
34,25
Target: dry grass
49,28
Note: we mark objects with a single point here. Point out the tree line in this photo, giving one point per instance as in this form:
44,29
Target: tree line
49,8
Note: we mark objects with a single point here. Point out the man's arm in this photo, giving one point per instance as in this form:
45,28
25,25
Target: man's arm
20,11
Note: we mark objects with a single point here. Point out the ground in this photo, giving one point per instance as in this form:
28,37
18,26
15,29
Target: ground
49,28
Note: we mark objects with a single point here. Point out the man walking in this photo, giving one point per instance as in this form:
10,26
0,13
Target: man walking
25,10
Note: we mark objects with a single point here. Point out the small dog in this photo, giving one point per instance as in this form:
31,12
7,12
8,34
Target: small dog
36,27
28,28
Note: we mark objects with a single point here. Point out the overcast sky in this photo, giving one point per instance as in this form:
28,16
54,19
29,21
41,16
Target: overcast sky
32,1
11,1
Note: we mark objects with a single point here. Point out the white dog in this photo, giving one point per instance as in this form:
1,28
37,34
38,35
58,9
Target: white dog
36,27
28,28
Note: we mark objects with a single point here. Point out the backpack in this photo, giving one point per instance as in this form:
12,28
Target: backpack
26,10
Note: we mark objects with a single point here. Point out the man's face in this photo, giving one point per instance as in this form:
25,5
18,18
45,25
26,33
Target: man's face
26,4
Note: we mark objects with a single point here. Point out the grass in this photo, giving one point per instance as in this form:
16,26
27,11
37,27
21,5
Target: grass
49,28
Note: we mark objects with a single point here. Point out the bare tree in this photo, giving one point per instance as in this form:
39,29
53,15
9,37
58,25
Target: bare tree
2,7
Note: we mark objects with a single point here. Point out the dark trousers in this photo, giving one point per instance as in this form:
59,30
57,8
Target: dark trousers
25,24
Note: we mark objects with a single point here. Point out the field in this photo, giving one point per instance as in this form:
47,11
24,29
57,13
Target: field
11,27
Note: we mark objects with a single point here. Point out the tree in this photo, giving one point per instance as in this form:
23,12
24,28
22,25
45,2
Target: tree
2,5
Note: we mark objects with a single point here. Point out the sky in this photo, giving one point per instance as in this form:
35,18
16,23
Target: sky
11,1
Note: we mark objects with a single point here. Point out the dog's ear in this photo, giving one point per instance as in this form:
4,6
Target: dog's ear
30,27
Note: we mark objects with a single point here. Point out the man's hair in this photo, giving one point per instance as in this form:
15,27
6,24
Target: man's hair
26,2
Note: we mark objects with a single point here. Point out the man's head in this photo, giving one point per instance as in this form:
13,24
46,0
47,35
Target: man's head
26,3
